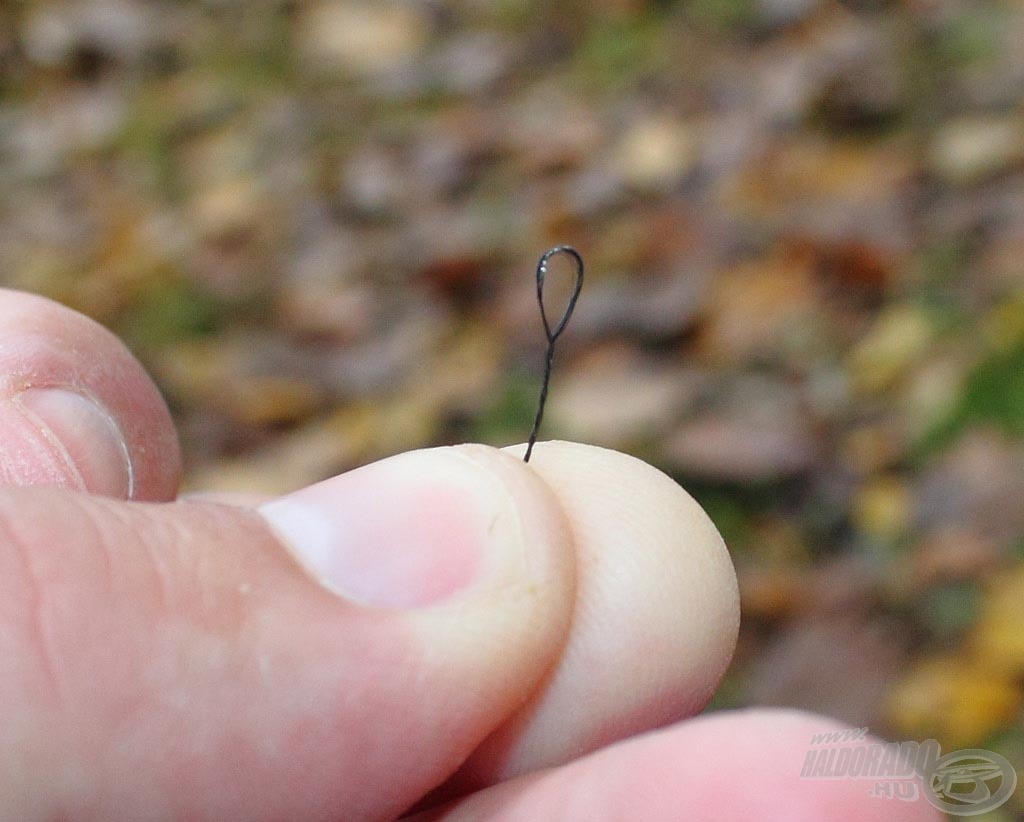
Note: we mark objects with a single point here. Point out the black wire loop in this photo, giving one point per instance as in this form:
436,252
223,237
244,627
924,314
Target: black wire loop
552,333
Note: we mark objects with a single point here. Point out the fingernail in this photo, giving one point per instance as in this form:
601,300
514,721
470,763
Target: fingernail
406,532
83,435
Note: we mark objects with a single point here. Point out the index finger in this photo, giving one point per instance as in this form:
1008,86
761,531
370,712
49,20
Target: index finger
655,620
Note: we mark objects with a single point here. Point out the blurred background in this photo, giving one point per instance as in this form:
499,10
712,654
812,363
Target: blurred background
803,220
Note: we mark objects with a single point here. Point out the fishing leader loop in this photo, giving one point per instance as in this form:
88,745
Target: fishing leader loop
552,333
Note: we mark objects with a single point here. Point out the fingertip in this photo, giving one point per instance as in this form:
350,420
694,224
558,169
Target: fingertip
753,763
656,617
426,525
728,766
93,420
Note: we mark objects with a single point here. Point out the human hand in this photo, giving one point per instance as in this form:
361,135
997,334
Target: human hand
450,622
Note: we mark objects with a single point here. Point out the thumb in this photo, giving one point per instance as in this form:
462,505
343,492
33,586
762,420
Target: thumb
177,661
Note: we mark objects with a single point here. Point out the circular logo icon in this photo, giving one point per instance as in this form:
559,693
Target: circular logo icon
969,782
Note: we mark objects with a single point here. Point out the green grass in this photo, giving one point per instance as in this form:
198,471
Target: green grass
949,610
971,37
170,309
723,15
510,417
994,395
616,53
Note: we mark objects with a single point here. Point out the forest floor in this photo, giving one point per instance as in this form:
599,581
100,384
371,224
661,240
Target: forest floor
803,223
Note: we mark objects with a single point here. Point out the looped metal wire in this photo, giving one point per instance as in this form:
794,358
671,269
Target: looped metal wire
552,333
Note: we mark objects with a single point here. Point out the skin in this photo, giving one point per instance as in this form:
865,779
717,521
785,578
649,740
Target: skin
178,659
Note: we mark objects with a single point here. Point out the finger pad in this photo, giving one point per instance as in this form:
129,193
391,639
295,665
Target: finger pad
656,617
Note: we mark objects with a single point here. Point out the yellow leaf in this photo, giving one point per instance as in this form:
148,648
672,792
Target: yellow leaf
998,640
957,701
